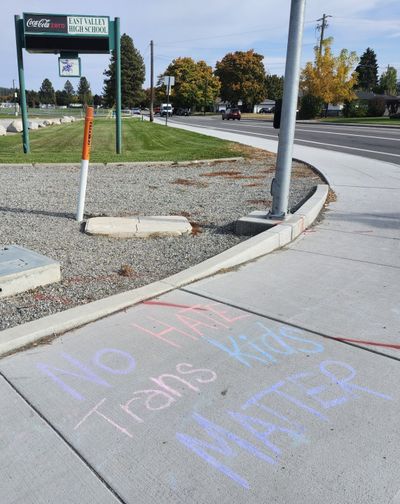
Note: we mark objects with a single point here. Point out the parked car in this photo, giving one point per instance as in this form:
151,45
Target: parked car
267,110
232,113
156,110
183,112
136,111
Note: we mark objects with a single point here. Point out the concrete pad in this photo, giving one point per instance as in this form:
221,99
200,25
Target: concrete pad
21,270
186,400
138,227
36,465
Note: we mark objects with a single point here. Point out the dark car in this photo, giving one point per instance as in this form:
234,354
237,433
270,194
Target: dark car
183,112
233,113
267,110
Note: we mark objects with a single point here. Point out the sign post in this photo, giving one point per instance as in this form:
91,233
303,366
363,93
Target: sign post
87,143
19,33
118,85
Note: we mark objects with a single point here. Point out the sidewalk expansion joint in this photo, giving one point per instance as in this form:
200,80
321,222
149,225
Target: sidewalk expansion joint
64,439
345,258
336,339
358,233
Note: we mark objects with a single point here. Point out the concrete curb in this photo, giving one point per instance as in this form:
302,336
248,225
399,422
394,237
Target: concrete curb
124,163
17,337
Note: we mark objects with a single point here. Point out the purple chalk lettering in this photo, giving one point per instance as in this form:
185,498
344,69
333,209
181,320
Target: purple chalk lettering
99,355
250,423
344,383
88,375
222,437
276,389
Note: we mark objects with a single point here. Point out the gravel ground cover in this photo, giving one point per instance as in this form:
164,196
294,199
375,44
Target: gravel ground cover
38,205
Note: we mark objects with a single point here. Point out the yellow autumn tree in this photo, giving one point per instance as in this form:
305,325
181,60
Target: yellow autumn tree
330,78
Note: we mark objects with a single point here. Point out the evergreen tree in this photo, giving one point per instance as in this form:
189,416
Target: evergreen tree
132,76
47,95
367,71
274,87
84,93
69,88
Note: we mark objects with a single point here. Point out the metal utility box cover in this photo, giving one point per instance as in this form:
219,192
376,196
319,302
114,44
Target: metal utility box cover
21,270
54,33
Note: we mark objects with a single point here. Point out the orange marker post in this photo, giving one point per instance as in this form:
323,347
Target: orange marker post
87,143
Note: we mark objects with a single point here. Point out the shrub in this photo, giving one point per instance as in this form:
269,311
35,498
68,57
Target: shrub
376,107
310,107
355,108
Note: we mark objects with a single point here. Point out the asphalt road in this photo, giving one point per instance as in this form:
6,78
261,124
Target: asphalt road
368,141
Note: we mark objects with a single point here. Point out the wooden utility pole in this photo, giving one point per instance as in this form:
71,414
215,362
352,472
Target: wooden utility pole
151,81
322,26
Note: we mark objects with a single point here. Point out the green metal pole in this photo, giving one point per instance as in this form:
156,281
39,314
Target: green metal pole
21,76
118,85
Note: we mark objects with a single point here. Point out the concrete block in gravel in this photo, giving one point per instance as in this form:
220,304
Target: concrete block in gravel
48,122
33,125
138,227
3,130
21,270
65,119
15,126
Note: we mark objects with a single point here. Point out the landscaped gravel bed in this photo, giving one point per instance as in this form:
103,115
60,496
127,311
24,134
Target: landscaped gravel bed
38,205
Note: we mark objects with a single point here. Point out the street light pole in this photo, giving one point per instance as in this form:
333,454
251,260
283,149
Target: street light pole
281,183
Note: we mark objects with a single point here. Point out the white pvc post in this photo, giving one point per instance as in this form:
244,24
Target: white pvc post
87,142
82,189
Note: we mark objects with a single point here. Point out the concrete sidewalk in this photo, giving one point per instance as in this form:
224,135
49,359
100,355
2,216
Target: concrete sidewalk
235,389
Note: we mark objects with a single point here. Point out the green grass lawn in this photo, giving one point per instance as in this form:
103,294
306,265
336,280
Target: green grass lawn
141,141
363,120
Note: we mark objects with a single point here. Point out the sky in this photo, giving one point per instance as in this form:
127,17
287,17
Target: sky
207,30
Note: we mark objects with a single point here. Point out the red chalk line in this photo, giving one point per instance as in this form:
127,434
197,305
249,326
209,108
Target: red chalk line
173,305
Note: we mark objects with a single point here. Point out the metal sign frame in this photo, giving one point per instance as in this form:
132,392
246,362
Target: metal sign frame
28,38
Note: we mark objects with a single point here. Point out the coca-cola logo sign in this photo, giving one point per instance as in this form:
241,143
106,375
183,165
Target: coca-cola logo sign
44,23
38,23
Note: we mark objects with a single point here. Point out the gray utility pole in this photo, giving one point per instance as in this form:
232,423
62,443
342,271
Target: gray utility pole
322,26
281,183
151,81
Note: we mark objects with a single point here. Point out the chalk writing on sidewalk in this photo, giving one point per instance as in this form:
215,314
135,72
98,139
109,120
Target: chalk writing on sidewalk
335,387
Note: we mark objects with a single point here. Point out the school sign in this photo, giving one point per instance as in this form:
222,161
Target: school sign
67,35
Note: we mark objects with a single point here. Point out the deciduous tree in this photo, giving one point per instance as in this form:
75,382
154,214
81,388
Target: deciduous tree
330,77
388,81
195,85
242,76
